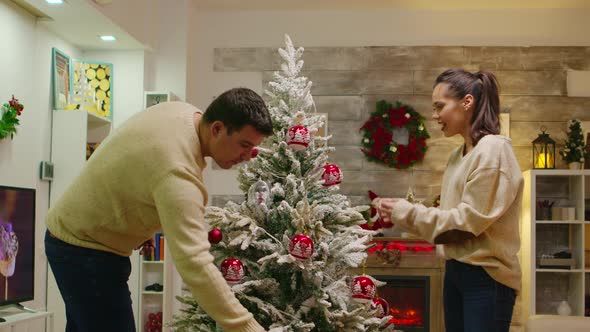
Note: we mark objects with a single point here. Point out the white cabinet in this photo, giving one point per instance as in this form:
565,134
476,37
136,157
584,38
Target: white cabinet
70,135
555,234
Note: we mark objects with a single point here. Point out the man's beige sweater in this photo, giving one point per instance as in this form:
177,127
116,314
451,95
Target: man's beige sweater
481,194
147,177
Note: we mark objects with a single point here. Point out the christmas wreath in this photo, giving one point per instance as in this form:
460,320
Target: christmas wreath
394,135
9,120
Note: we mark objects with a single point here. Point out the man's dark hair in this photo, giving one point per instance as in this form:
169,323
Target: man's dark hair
239,107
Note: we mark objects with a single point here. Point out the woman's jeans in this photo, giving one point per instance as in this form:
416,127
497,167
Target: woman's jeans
474,302
93,285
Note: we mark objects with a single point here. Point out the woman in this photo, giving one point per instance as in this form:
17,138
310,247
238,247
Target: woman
478,219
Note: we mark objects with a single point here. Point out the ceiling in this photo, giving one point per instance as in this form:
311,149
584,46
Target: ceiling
372,4
80,23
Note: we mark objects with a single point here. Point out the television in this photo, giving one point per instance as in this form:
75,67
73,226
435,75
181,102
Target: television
17,245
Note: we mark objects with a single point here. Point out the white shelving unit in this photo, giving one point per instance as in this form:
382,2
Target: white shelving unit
164,273
71,131
545,286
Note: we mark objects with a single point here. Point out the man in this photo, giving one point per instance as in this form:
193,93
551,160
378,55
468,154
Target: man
147,177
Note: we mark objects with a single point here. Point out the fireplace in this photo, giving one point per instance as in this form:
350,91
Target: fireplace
414,277
409,301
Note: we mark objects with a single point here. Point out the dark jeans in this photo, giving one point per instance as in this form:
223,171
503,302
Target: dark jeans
93,284
474,302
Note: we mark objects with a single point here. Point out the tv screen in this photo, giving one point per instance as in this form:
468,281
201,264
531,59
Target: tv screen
17,244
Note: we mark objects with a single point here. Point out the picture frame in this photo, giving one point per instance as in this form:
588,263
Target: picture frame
505,124
61,79
92,87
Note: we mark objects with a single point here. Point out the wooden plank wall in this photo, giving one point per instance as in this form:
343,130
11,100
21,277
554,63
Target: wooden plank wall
347,81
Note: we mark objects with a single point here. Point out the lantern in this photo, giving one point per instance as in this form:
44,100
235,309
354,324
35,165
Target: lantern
543,151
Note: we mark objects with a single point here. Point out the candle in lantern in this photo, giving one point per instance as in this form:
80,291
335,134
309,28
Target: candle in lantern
544,160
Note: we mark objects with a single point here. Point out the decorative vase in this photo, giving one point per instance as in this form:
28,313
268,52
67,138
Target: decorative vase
575,165
564,309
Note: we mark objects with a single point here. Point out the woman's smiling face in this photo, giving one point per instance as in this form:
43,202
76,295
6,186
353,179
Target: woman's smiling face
453,115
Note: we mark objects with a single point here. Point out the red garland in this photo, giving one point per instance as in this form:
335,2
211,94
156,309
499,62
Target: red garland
378,144
400,247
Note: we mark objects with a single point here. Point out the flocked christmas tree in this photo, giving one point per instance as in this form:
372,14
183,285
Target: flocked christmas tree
574,149
289,249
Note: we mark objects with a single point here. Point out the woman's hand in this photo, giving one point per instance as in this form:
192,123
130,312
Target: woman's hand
385,207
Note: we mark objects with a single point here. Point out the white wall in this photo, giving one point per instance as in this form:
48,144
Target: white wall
376,27
25,67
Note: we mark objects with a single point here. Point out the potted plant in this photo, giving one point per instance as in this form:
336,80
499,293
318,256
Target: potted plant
574,152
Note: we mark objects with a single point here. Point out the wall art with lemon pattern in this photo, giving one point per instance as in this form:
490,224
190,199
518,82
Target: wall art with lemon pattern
92,88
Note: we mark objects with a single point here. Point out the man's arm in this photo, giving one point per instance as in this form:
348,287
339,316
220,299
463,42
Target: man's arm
179,199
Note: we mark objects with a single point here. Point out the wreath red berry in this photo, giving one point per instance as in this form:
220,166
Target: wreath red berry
395,136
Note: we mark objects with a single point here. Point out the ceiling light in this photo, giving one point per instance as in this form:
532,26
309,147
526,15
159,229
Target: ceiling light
108,38
54,2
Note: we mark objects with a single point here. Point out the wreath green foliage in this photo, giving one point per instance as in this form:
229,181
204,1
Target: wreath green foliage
378,143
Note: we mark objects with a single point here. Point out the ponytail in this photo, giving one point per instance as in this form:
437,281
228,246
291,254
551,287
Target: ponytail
483,86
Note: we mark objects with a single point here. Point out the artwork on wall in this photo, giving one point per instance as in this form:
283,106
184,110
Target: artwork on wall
92,88
505,124
61,79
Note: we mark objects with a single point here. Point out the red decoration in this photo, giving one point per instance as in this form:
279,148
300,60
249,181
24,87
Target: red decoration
382,246
375,221
154,322
215,236
298,137
301,246
9,113
332,175
381,306
254,153
379,143
363,289
232,270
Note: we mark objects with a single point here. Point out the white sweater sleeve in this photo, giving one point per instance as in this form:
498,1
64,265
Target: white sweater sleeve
487,195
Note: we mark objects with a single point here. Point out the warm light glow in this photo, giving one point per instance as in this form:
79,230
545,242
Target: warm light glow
410,317
54,2
108,38
544,160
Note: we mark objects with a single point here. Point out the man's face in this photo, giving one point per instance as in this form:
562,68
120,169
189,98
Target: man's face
231,149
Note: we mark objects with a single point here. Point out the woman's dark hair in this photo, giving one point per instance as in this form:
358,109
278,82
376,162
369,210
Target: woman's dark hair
483,86
239,107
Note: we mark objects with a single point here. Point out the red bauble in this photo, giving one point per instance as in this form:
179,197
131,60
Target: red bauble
215,236
332,175
232,270
254,153
301,246
363,289
298,137
381,306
